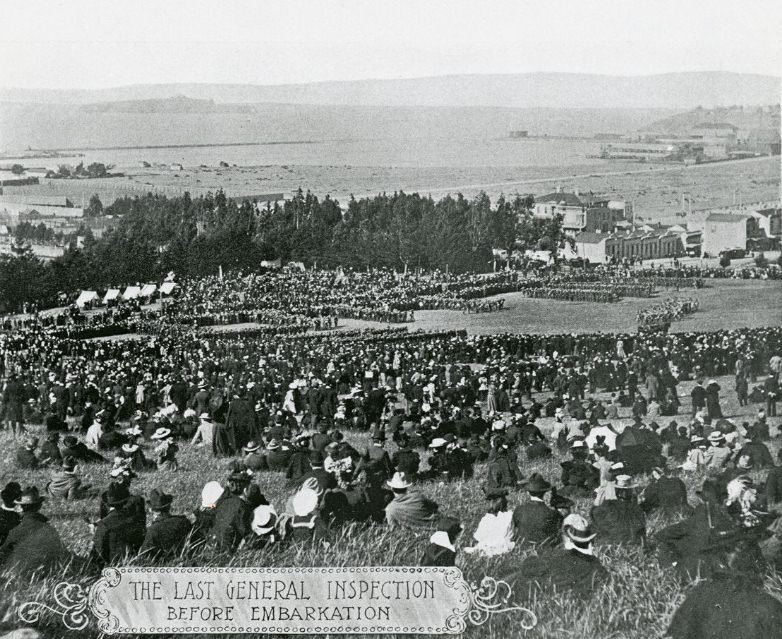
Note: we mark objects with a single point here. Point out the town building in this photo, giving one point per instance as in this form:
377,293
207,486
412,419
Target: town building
638,243
582,212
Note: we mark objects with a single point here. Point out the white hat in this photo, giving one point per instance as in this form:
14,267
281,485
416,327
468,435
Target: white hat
210,493
264,519
304,502
205,416
625,481
716,436
134,431
130,448
578,443
161,433
437,442
399,481
577,528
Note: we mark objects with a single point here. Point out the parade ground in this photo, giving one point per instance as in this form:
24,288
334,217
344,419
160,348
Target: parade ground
723,304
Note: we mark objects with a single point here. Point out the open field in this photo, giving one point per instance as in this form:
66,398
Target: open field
655,190
637,604
724,304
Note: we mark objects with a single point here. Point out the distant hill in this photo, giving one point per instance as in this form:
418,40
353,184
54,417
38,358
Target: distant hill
177,104
528,90
755,119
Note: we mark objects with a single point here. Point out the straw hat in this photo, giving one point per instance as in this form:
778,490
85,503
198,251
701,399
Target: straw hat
264,519
399,481
304,502
438,442
161,433
577,529
626,482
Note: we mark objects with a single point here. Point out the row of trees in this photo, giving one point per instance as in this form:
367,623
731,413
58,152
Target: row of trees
193,237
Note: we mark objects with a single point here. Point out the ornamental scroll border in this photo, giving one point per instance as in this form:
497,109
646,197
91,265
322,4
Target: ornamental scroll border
476,603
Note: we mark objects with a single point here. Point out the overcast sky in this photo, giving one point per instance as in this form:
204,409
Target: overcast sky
102,43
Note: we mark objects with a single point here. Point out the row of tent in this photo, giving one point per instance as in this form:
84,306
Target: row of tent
131,293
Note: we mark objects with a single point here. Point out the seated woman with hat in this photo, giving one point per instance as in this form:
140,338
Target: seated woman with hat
264,527
620,520
165,452
441,550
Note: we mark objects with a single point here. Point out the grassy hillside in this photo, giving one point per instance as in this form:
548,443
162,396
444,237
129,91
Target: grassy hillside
749,118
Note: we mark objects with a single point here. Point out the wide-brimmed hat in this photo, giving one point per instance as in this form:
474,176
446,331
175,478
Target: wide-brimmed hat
158,500
399,481
210,493
273,445
716,436
304,502
205,416
438,442
537,484
29,497
264,519
129,448
161,433
577,529
117,494
625,482
578,443
134,431
251,447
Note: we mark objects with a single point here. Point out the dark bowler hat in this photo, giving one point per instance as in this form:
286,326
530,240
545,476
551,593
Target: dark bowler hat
117,494
29,497
537,484
158,500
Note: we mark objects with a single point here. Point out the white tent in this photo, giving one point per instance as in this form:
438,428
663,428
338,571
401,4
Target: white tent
85,297
131,293
148,290
167,287
111,294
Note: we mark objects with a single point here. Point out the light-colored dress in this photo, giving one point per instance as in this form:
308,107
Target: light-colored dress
494,535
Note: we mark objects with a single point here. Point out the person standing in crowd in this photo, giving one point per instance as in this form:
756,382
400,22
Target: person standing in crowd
713,400
14,398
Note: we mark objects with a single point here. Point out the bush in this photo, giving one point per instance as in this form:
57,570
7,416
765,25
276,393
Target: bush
724,261
761,261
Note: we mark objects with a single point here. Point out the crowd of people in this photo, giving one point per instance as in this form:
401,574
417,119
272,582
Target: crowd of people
431,407
670,310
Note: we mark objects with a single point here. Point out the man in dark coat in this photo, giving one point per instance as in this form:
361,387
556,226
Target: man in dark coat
571,567
233,515
26,459
240,420
620,520
713,400
33,543
79,451
14,397
698,396
502,471
665,492
167,534
325,479
579,477
277,458
50,451
405,459
134,504
118,534
253,459
757,450
9,518
534,522
730,605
